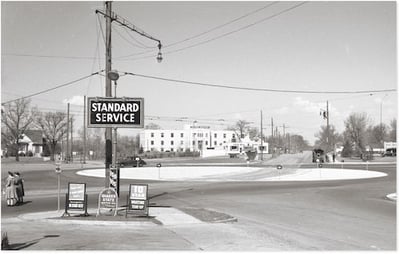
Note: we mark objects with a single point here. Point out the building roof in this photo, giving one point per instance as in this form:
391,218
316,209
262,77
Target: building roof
35,135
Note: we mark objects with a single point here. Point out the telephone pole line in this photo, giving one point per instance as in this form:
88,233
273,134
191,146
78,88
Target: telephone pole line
262,146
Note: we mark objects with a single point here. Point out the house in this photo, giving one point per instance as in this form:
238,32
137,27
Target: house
31,143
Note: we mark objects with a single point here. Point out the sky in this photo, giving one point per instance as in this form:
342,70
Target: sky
320,47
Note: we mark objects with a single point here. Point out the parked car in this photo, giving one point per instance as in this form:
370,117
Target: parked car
390,152
131,161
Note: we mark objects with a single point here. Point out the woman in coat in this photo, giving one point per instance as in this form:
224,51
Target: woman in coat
11,193
19,185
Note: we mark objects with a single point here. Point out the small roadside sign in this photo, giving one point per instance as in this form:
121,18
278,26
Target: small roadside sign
76,199
137,199
108,199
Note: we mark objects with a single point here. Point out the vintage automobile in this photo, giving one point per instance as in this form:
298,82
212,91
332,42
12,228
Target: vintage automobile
131,161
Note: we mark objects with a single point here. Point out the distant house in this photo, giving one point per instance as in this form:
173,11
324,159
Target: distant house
31,143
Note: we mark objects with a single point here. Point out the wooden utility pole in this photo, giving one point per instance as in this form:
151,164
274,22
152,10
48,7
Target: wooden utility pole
262,146
72,143
108,133
327,124
67,152
84,129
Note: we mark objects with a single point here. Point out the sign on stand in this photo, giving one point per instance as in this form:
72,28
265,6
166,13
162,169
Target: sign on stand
137,199
108,199
76,199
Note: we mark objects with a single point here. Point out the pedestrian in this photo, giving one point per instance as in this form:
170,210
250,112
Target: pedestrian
19,185
11,195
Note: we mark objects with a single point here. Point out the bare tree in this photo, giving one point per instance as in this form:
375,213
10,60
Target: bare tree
16,117
355,131
54,127
327,140
240,128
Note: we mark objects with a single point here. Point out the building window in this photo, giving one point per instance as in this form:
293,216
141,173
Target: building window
224,135
206,135
181,135
215,143
206,143
233,135
172,135
193,143
181,149
152,134
162,149
215,135
172,142
162,134
162,142
182,142
172,149
152,142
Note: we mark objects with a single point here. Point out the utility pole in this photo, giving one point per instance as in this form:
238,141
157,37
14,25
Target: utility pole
72,144
272,134
108,133
84,129
327,124
67,153
262,146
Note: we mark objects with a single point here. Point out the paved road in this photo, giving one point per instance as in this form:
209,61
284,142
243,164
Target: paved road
322,215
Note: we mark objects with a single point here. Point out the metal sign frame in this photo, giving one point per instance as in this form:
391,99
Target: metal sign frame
90,100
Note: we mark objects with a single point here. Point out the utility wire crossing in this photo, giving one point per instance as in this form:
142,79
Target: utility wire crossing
258,89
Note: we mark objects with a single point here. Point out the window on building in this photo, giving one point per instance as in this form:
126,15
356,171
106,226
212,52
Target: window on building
152,134
162,134
172,142
224,135
162,142
181,135
193,143
206,143
182,142
215,135
172,149
233,135
152,142
181,149
172,135
206,135
215,143
162,149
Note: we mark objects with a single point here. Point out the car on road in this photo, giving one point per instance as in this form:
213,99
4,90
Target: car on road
390,152
131,161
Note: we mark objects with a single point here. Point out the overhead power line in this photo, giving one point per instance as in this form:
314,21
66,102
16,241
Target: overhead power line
224,34
53,88
258,89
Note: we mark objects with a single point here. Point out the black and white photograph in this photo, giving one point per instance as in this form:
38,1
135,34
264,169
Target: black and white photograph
218,126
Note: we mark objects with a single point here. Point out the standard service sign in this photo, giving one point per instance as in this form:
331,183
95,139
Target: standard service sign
116,112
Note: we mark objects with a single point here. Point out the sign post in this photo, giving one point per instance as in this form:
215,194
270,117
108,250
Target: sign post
58,172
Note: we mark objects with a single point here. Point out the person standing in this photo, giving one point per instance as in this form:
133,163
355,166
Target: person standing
11,195
19,186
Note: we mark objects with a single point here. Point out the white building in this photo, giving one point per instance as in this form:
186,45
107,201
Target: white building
191,137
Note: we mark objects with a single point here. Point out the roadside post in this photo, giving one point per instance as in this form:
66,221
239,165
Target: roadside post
137,161
159,170
279,168
366,165
58,172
